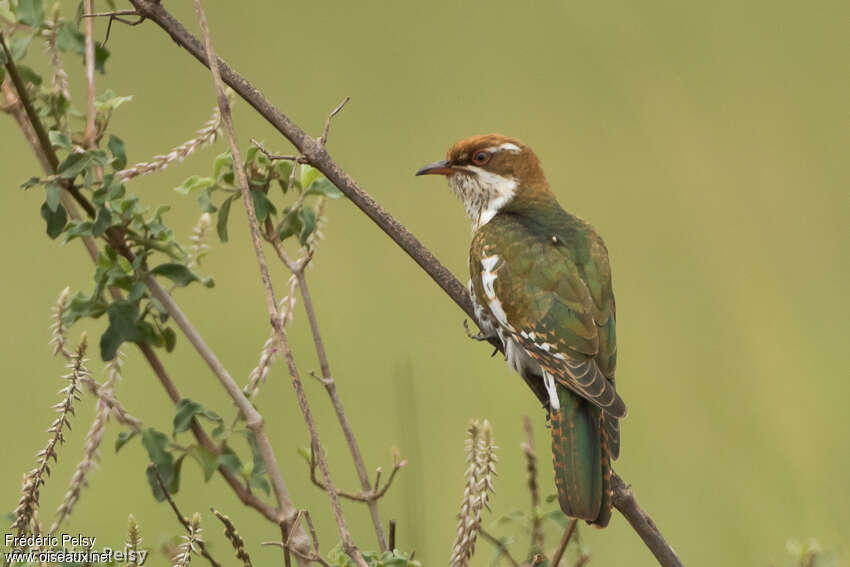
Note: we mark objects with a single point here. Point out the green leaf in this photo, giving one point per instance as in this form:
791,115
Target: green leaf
186,410
31,182
206,458
101,54
223,215
308,175
122,327
77,229
156,444
104,219
109,101
291,224
123,316
30,12
194,182
158,494
283,168
119,152
123,438
55,220
230,461
18,46
178,273
59,140
110,341
257,478
3,60
324,187
262,206
70,39
223,166
308,223
73,165
170,338
29,76
53,192
205,202
174,483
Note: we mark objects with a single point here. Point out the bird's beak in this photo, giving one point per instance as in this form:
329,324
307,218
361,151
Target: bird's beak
437,168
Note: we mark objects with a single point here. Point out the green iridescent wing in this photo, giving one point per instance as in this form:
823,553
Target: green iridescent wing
550,287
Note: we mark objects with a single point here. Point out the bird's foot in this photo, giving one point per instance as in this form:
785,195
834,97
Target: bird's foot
479,336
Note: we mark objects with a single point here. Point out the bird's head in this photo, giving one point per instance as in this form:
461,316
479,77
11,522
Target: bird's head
490,173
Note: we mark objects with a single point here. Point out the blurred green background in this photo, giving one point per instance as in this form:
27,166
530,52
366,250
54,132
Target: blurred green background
707,143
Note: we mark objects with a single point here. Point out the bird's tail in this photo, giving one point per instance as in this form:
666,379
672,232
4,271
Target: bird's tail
581,459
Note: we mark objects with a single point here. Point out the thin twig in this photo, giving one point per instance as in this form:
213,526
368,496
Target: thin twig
90,136
537,541
330,387
503,549
184,521
271,156
324,139
565,540
271,304
624,500
370,494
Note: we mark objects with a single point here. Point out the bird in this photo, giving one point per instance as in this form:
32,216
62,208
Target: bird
540,284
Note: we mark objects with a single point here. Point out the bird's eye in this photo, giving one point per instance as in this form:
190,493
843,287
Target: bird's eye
480,158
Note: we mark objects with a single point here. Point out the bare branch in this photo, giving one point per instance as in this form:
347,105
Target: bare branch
537,540
370,494
624,500
330,387
324,139
90,136
503,549
565,540
227,119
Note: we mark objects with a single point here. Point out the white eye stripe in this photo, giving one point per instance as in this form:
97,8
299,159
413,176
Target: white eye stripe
507,146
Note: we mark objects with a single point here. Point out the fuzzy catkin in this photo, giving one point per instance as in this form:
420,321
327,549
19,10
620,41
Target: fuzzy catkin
481,467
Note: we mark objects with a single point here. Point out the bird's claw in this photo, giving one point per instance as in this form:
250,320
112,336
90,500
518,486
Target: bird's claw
478,336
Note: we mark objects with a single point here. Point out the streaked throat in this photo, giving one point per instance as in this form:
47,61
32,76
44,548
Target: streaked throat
483,193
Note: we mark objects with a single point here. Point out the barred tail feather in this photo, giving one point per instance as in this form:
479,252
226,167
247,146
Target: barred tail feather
581,460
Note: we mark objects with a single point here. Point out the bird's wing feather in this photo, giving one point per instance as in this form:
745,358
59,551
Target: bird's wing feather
552,296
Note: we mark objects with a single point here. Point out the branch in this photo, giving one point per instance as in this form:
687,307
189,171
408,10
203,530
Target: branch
90,136
537,540
368,495
562,546
503,549
184,521
227,120
624,500
314,153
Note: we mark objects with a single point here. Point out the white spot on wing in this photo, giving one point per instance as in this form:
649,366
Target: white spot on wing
487,279
499,313
549,382
489,262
